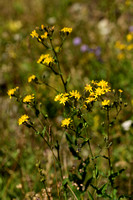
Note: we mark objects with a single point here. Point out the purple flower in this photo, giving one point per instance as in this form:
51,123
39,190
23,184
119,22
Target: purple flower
131,28
98,51
77,41
84,48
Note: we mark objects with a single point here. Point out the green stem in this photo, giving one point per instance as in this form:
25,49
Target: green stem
58,65
108,141
94,164
72,192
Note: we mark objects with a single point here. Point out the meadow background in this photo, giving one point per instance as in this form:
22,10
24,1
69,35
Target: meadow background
93,51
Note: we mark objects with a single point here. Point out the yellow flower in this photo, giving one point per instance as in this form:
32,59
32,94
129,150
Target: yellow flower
129,37
120,90
93,82
99,91
44,36
105,103
90,99
88,88
58,97
66,30
75,94
22,119
48,60
119,45
130,47
45,59
42,26
31,78
102,84
11,92
121,56
66,122
34,34
127,2
63,100
28,98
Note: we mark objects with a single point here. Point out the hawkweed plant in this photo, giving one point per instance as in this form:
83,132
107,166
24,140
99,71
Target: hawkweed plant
86,178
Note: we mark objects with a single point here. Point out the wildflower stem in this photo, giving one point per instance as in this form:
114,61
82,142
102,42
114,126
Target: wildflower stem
58,65
108,141
72,192
94,164
50,87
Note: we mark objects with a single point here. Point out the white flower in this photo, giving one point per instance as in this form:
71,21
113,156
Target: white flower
127,124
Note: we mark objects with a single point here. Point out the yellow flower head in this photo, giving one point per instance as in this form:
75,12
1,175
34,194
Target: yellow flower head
48,60
66,30
103,84
128,2
88,88
99,91
28,98
45,59
130,47
120,56
34,34
42,26
22,119
90,99
66,122
129,37
93,82
58,97
120,90
44,36
64,98
105,103
11,92
75,94
31,78
119,45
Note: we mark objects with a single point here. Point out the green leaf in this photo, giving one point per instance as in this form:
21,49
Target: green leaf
43,131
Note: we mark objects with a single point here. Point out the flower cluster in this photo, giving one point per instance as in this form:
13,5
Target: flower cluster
40,37
45,59
11,92
123,47
63,98
96,89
